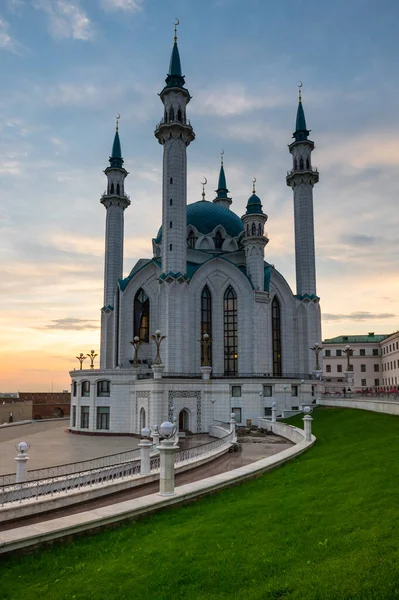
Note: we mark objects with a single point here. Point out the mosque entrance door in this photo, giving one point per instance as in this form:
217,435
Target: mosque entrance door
184,420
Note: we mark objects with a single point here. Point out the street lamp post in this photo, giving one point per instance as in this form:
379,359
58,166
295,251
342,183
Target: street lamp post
307,423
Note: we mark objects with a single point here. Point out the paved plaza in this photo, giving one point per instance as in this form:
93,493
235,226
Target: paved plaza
52,444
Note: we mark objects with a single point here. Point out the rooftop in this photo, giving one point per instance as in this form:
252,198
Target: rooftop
370,338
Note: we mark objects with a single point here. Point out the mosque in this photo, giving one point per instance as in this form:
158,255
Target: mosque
206,326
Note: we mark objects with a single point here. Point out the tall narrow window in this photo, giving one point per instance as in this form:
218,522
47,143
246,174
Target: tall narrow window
206,322
191,240
112,188
218,239
230,332
171,115
276,336
142,316
301,165
118,189
179,116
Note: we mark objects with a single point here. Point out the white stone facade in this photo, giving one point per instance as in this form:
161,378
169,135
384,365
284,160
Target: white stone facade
207,274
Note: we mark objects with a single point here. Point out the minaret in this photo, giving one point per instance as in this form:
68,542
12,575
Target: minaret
222,191
255,240
175,133
115,201
302,179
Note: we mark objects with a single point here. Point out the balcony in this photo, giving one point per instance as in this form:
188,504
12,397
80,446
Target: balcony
308,170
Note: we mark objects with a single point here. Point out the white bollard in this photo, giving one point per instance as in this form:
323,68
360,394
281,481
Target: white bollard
274,414
21,460
307,425
145,452
233,426
167,451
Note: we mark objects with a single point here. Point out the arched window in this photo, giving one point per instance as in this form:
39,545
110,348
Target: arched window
171,180
170,225
184,420
253,229
74,388
165,116
118,189
142,418
141,325
230,332
260,232
85,388
295,164
170,246
171,202
112,188
191,240
307,163
218,239
206,321
103,388
179,115
276,336
301,165
171,115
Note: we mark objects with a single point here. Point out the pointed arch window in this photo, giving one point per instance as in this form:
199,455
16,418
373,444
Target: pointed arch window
307,164
301,165
218,240
171,115
142,316
276,336
206,321
112,188
179,115
118,189
230,332
295,164
191,240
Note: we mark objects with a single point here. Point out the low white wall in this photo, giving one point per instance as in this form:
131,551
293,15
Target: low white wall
373,404
289,432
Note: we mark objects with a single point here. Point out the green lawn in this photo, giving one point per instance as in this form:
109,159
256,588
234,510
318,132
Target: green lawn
322,527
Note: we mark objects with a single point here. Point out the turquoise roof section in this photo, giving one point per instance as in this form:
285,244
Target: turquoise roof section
116,160
268,272
205,216
301,132
175,77
254,205
370,338
222,190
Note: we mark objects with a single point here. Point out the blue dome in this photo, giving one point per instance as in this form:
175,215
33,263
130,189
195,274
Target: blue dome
205,216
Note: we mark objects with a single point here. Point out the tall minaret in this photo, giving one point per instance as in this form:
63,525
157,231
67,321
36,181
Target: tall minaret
302,179
175,133
222,191
115,201
255,240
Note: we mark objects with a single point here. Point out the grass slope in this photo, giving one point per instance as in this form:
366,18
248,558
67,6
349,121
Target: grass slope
322,527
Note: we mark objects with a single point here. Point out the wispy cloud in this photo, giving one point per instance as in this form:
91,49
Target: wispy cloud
66,19
70,323
126,5
6,41
357,316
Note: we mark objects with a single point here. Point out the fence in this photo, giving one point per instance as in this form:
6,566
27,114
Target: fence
56,481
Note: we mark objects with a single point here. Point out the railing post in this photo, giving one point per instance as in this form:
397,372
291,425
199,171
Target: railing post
307,425
167,451
233,426
155,435
21,460
145,452
274,413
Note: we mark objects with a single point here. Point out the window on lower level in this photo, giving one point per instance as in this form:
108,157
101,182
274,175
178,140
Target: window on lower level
338,353
102,417
74,388
362,352
73,416
294,390
339,368
376,368
238,415
375,351
362,368
328,368
85,388
84,417
236,391
376,382
363,382
268,391
327,353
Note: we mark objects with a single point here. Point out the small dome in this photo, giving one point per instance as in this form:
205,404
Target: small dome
205,216
254,205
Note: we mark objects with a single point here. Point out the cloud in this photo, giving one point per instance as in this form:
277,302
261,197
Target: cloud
66,19
70,323
15,6
359,240
6,41
233,99
126,5
357,316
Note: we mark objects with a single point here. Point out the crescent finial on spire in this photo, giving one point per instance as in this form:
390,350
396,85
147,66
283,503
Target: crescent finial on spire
221,157
203,183
176,25
118,116
300,84
253,185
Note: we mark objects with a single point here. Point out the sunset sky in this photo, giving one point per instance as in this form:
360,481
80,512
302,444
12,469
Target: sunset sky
67,67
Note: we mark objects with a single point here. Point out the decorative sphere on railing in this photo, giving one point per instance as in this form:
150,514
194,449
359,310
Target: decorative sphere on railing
273,405
23,447
145,432
307,410
233,416
167,429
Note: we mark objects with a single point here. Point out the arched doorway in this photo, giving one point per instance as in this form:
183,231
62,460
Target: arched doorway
184,420
57,413
142,418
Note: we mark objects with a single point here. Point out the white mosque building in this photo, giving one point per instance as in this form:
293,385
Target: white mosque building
207,277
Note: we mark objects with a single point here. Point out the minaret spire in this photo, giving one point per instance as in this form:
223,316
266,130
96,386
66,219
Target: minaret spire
222,191
115,201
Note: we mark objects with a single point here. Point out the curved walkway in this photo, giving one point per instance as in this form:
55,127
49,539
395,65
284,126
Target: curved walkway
37,534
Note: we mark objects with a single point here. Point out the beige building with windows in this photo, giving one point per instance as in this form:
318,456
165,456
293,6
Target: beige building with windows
390,360
367,361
